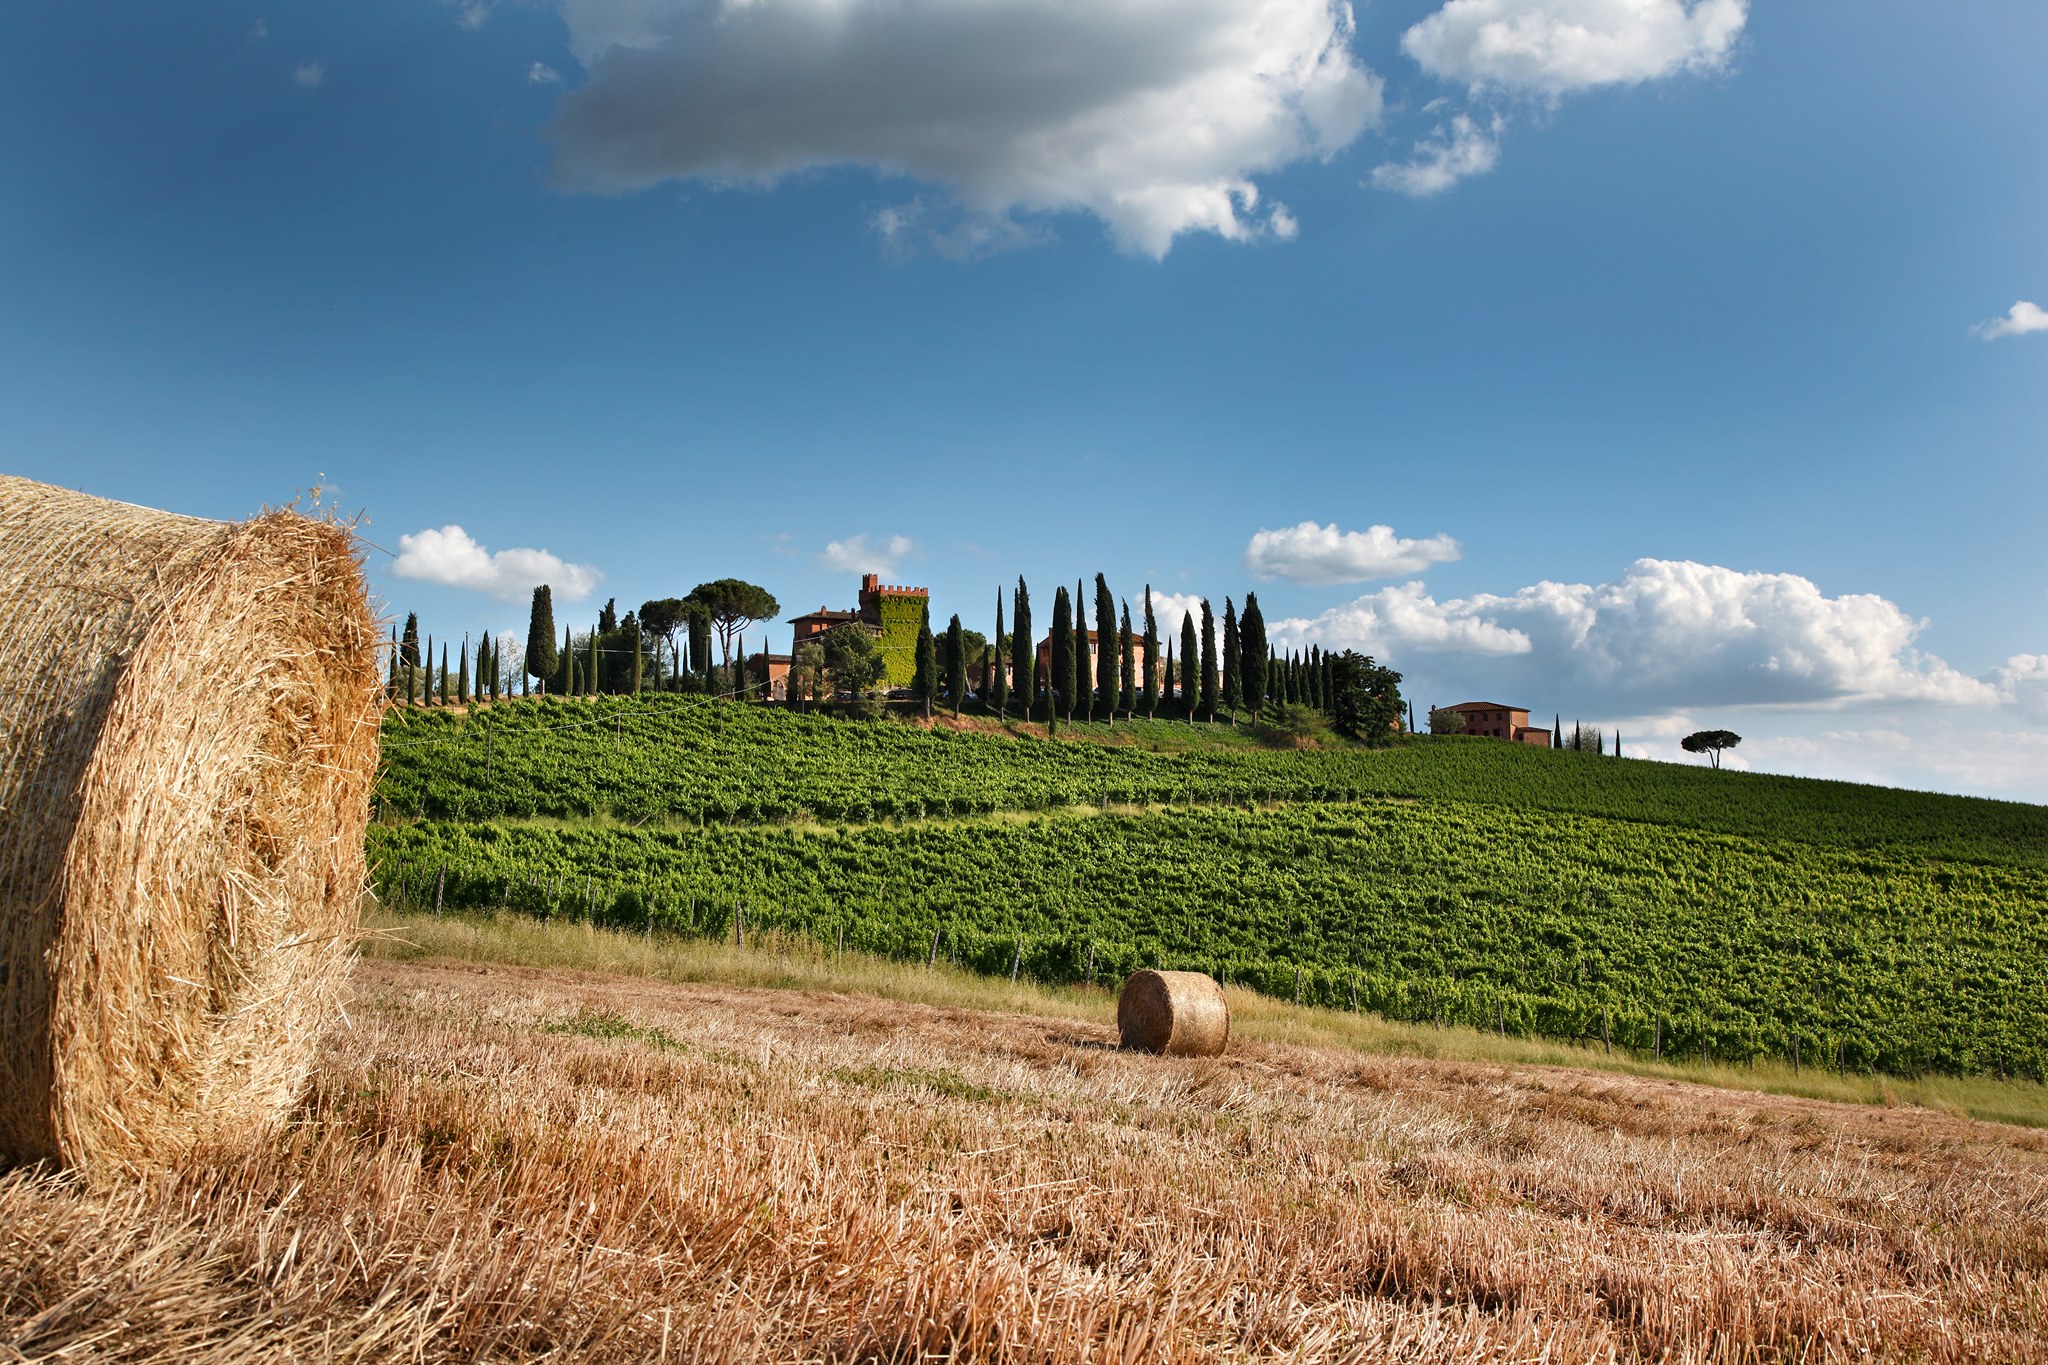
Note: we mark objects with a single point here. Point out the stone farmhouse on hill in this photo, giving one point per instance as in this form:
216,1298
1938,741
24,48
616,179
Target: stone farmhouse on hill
1497,720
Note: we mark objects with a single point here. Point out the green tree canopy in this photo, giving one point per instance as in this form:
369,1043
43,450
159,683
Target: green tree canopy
1712,743
731,605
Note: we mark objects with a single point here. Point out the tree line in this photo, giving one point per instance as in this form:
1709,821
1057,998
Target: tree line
1109,669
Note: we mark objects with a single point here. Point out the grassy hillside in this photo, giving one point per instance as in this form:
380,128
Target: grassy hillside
1535,893
657,759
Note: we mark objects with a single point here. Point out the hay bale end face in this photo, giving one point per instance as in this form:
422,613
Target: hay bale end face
1181,1014
188,738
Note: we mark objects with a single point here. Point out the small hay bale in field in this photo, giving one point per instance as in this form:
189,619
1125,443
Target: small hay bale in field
1182,1014
188,737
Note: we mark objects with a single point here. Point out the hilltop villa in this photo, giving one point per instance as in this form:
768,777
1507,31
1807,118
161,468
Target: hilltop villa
1497,720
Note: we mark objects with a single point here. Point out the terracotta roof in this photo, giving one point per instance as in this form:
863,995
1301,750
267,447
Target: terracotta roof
1483,706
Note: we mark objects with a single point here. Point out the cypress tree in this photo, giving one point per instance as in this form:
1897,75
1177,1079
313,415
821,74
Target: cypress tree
565,666
491,662
1085,658
391,685
924,683
1557,730
956,662
1152,658
1023,651
427,676
1107,653
1190,663
1233,660
998,686
1167,680
1062,661
462,677
444,673
1126,649
590,667
1211,684
634,680
1251,640
409,650
540,636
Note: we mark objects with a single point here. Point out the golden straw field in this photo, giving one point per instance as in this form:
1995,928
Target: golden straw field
511,1162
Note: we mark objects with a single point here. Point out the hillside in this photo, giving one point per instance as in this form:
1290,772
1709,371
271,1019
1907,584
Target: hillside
513,1163
1647,906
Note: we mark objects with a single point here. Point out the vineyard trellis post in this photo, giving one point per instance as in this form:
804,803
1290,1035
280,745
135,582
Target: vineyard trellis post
440,883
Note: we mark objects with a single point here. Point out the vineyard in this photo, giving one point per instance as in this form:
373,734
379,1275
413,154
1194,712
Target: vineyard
1883,930
676,759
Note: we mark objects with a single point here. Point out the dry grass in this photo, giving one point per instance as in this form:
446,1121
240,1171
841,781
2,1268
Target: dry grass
505,1163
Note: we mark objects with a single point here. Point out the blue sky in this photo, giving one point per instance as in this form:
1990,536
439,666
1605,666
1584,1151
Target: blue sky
1702,331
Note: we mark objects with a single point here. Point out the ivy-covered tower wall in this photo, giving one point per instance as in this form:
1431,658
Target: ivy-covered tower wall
896,612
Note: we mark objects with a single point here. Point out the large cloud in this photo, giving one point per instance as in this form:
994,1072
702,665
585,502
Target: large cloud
451,556
1154,115
1665,635
1310,553
1553,47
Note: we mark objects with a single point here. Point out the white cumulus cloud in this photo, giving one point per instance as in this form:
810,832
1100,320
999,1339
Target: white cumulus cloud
1153,115
540,73
1445,157
864,554
1554,47
451,557
1311,553
1669,634
1169,607
2022,318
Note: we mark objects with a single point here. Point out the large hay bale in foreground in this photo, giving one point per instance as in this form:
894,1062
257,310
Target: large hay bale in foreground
188,737
1182,1014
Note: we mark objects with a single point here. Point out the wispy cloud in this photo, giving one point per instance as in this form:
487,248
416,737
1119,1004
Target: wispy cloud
309,75
865,554
1446,156
2022,318
540,73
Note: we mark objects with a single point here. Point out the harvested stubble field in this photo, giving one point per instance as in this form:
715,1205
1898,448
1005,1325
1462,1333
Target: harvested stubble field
510,1163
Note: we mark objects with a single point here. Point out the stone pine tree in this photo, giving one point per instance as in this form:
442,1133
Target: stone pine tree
1211,684
1126,653
1233,660
540,637
1083,688
1151,657
1107,653
998,686
924,681
1062,661
1251,643
1190,663
956,662
1023,655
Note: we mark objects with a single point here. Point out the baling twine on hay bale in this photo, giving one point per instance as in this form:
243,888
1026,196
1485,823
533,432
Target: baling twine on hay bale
188,737
1182,1014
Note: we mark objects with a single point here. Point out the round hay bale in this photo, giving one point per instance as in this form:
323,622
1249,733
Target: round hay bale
188,738
1182,1014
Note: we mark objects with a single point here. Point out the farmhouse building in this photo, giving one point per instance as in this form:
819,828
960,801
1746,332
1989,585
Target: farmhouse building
1095,647
1497,720
891,614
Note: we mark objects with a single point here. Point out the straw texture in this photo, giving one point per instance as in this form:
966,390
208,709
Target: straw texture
1182,1014
188,737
